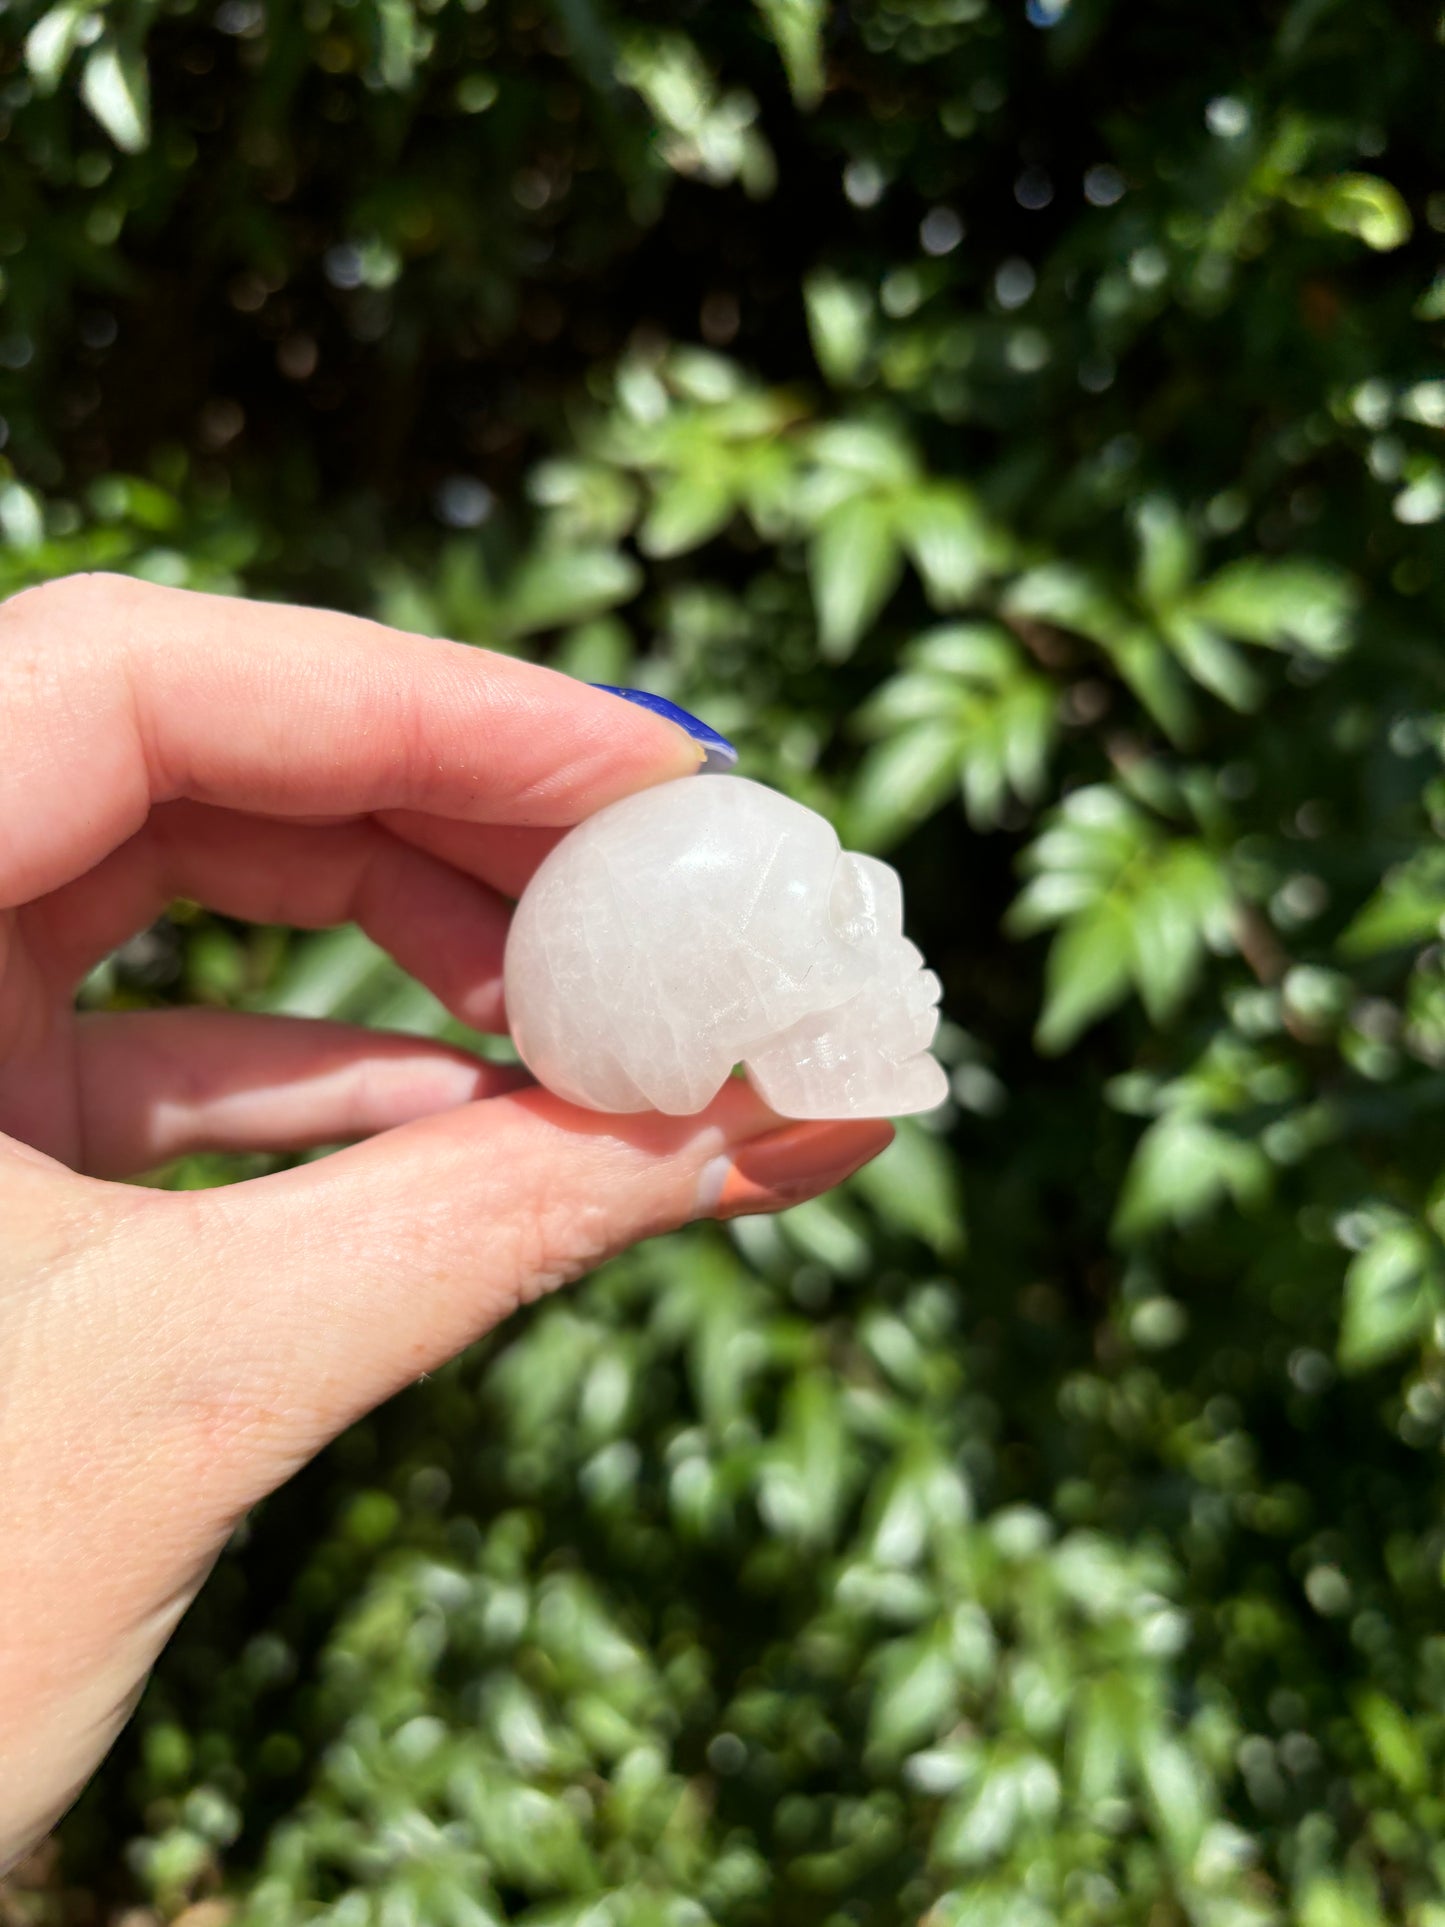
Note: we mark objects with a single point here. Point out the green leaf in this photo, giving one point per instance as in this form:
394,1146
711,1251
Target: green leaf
1272,603
1169,553
902,781
1177,1790
978,653
1408,908
686,512
916,695
1184,898
1393,1741
1216,665
1367,207
1331,1903
115,87
831,1232
914,1188
1069,597
1390,1296
916,1696
600,650
805,1474
703,132
855,563
1073,599
970,683
401,42
1102,1737
1015,1788
1183,1167
339,974
1087,974
22,520
1094,837
865,452
797,27
557,586
1149,904
840,323
1150,671
950,543
977,1827
55,37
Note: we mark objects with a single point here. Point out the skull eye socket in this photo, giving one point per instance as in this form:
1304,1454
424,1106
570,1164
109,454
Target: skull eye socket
852,901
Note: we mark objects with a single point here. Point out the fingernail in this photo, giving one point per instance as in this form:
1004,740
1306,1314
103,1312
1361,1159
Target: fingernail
720,753
787,1166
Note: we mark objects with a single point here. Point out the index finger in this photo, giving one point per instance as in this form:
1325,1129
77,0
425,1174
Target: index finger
116,694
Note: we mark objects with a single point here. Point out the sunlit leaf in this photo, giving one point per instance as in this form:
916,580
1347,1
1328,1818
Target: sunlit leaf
1176,1786
400,42
915,1697
1407,908
902,781
686,512
22,521
1213,663
557,586
855,563
1367,207
797,26
1391,1293
1394,1741
914,1187
1183,900
55,37
1274,602
1183,1167
949,541
840,322
1168,552
1087,975
115,87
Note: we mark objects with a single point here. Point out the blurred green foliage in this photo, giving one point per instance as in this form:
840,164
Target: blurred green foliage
1020,427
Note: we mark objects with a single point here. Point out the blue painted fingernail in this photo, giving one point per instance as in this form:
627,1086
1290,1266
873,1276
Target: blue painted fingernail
720,753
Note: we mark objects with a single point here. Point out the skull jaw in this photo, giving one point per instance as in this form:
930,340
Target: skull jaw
866,1058
870,1087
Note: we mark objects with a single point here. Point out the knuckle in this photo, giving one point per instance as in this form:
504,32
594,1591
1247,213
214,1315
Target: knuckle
69,613
555,1242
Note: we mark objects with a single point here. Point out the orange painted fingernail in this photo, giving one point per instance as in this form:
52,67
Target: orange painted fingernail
787,1166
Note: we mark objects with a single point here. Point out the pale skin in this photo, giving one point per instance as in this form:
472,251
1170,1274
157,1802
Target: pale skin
166,1359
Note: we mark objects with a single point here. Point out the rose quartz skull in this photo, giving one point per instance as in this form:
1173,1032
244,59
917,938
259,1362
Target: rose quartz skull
712,922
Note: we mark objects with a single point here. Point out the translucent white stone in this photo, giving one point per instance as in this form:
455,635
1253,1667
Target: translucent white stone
713,922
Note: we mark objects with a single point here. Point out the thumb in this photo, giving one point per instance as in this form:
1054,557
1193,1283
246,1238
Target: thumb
167,1359
331,1286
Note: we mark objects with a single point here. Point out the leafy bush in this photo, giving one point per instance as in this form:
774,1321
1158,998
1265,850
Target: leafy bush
1019,426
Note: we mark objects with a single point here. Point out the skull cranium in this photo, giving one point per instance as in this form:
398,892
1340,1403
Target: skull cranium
713,922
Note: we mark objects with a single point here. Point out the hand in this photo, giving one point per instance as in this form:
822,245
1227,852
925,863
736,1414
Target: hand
168,1358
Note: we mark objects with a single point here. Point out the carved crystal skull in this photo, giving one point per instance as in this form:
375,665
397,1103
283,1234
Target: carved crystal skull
713,922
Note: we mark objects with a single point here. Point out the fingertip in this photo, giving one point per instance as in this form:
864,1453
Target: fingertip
787,1166
716,753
